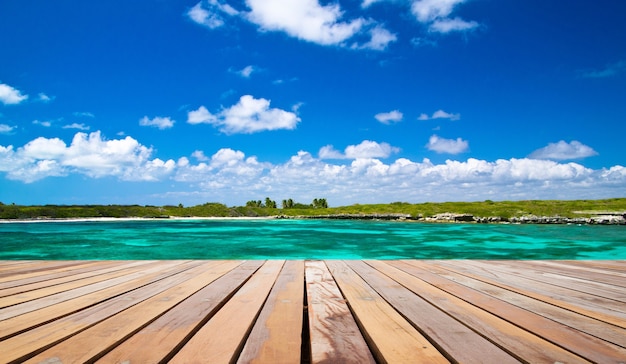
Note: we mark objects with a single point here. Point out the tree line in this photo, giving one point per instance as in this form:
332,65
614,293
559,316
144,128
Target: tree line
318,203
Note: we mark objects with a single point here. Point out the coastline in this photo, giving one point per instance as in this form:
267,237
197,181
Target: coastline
118,219
610,218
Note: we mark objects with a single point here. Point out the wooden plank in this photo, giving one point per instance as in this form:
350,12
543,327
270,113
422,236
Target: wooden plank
609,310
334,334
68,276
609,265
164,335
39,338
93,342
584,345
600,329
593,283
39,270
277,333
449,335
391,338
221,339
65,288
139,282
59,297
583,270
522,344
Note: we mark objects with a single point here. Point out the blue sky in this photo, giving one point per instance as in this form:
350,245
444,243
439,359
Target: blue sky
362,101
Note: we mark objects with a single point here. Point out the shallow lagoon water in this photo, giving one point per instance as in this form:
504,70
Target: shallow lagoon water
305,239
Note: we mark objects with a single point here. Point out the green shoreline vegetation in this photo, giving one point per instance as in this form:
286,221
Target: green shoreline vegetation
529,211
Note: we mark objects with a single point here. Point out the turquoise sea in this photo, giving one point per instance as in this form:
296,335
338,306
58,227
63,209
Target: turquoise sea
305,239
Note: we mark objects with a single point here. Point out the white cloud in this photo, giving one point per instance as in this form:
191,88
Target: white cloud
389,117
366,149
90,155
158,122
200,116
44,98
448,146
210,13
6,129
563,151
379,39
231,177
248,116
436,14
246,72
452,25
10,95
78,126
440,114
307,20
430,10
199,155
329,152
367,3
44,123
421,41
304,19
369,180
84,114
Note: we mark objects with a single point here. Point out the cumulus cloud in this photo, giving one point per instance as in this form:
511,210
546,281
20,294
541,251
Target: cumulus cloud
436,14
199,155
307,20
246,72
158,122
369,180
440,114
379,39
200,116
210,13
452,25
44,98
366,149
6,129
447,146
90,155
78,126
563,151
304,19
10,95
44,123
389,117
248,116
233,177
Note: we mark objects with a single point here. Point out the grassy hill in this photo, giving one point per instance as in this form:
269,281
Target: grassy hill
504,209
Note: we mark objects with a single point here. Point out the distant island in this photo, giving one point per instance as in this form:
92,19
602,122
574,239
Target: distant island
607,211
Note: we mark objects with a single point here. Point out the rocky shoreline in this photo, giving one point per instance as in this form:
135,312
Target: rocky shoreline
600,219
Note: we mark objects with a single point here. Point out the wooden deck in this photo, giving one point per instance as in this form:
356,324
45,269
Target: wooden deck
411,311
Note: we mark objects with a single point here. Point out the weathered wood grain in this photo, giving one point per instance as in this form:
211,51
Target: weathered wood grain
277,333
165,335
221,339
345,311
391,338
334,334
96,340
450,336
